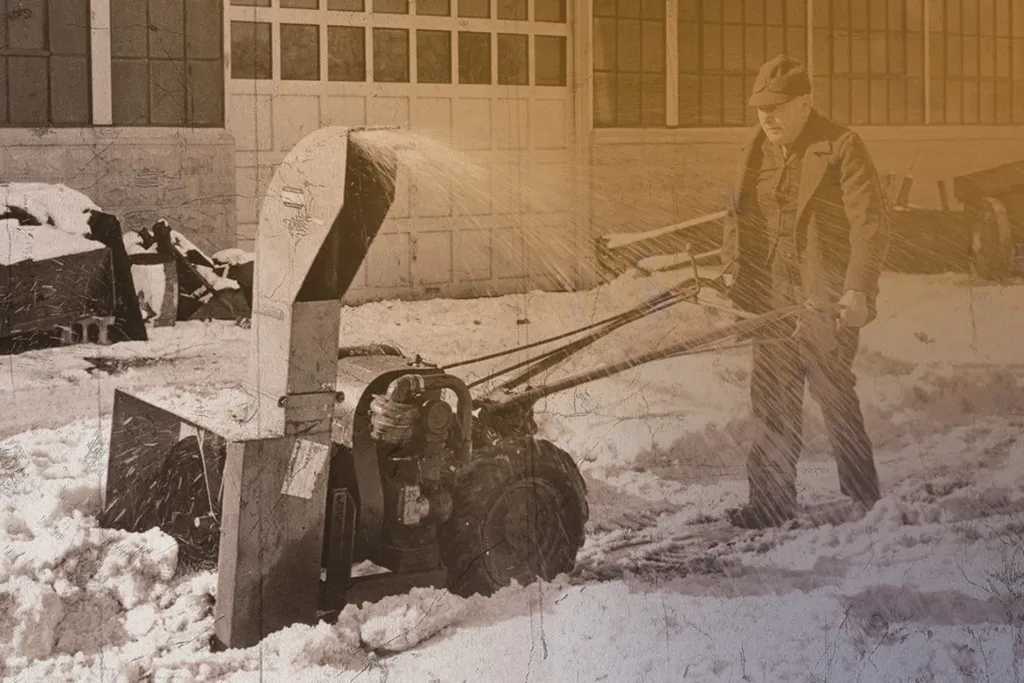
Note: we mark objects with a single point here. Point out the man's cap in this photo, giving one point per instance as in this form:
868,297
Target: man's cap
780,80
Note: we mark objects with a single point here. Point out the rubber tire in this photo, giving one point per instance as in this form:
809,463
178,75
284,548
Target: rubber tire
468,543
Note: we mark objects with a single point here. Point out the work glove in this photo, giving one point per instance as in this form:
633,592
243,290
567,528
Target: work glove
853,310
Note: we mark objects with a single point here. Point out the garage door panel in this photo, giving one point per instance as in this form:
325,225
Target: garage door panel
430,192
471,189
403,182
549,124
508,253
295,117
506,189
550,187
511,123
388,111
432,116
551,246
471,125
471,255
432,258
343,111
388,261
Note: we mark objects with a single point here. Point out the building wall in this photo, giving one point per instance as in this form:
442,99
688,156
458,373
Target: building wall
936,87
139,175
486,196
122,100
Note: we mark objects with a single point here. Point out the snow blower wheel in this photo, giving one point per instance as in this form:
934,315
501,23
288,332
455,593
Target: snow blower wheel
519,514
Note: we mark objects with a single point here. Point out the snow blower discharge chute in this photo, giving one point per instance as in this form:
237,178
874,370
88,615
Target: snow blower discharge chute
326,457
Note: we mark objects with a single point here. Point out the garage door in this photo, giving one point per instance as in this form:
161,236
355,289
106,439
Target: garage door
488,78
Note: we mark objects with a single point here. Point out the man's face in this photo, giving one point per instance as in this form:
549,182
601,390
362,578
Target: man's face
782,123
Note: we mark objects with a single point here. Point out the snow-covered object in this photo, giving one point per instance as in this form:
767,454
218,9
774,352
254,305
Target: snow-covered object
29,615
58,205
234,256
19,243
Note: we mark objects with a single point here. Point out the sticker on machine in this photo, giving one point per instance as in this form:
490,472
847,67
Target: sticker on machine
306,465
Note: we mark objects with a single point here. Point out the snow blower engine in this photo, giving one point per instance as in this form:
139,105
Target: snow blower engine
334,476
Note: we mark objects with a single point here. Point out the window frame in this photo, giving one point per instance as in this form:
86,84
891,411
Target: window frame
1007,91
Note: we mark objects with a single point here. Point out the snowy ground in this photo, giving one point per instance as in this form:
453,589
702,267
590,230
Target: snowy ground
929,586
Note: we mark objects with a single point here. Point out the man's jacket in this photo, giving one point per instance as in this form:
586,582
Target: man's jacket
842,221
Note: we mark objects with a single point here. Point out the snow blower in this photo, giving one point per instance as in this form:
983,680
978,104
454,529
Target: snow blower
326,458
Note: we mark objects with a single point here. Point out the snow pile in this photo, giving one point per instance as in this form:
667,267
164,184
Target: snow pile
65,209
925,587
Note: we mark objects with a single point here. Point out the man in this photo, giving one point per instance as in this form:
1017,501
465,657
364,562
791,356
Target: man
807,223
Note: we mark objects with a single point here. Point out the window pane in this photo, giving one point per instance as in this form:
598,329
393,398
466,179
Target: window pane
896,9
954,56
130,92
796,12
754,48
915,54
841,98
711,100
879,104
26,28
953,23
823,93
251,3
167,93
970,102
628,8
755,12
300,52
653,33
346,5
474,58
712,45
689,101
822,51
434,8
897,102
1003,57
987,102
860,98
840,13
550,10
1004,103
346,53
987,24
653,100
604,8
391,6
630,55
166,29
734,104
712,10
938,102
877,49
796,43
515,10
69,81
970,17
915,15
860,53
877,15
1018,102
841,52
605,45
859,15
475,9
552,67
775,41
433,56
915,101
69,27
987,58
1003,17
970,48
391,55
689,48
604,99
300,4
652,9
513,59
205,94
128,35
629,102
250,50
689,10
202,29
954,102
